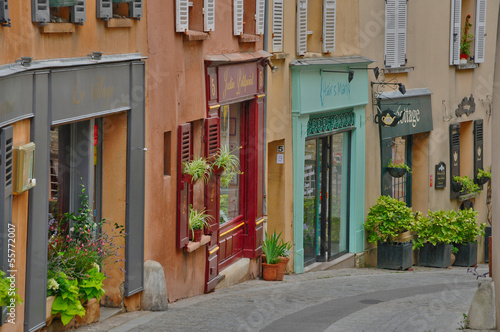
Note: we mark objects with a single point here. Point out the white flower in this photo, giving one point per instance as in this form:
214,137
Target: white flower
52,284
72,229
95,265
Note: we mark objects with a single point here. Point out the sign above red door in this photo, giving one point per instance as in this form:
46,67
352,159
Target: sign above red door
237,81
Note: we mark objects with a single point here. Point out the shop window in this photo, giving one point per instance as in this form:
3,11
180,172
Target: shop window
468,46
59,11
398,150
194,15
248,18
107,9
4,13
278,25
395,33
325,32
167,156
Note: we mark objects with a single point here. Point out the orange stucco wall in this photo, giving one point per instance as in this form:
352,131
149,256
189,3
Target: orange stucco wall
176,81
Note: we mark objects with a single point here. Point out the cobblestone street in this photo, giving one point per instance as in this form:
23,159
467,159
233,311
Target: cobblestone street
368,299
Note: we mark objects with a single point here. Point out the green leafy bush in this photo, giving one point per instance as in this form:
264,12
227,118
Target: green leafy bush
67,302
8,295
92,286
440,227
387,219
468,229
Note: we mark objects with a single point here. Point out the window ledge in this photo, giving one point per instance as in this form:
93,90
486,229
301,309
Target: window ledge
469,65
247,38
58,28
191,35
279,55
192,246
120,23
398,70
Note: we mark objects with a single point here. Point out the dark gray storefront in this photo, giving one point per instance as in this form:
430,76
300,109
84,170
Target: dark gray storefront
79,90
396,142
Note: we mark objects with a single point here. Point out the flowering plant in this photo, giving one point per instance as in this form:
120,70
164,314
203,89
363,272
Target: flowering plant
467,38
76,253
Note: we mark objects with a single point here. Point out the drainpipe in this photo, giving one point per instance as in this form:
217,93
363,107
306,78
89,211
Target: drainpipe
266,33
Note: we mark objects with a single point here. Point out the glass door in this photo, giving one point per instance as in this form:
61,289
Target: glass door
326,193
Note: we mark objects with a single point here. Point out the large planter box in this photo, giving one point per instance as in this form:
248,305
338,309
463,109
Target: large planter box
466,255
435,256
394,256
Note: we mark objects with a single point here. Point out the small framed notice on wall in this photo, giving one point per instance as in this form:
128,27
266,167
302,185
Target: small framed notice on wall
440,176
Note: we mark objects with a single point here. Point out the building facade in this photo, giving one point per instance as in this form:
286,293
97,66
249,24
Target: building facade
206,91
72,93
444,103
316,130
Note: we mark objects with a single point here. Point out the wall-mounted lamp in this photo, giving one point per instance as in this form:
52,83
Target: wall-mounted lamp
349,77
95,55
376,71
267,62
401,86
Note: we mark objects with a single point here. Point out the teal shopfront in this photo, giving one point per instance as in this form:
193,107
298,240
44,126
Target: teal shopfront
328,112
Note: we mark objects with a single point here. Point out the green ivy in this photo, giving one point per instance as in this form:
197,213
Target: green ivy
387,219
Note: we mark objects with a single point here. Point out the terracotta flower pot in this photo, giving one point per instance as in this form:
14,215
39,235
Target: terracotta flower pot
216,170
280,273
269,271
196,235
48,310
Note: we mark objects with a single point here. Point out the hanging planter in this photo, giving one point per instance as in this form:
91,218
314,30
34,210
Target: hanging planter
456,186
396,172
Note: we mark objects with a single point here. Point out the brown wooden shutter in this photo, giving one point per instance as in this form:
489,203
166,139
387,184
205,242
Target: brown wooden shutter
212,201
6,174
454,155
184,197
478,146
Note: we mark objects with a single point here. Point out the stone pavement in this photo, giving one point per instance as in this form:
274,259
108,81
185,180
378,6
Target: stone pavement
366,299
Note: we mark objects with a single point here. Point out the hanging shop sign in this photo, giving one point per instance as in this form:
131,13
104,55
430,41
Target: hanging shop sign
406,115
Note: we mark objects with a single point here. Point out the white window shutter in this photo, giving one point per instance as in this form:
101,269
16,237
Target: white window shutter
329,18
104,9
181,15
301,27
4,12
456,15
480,31
277,25
135,9
40,11
78,12
260,13
238,17
395,33
209,15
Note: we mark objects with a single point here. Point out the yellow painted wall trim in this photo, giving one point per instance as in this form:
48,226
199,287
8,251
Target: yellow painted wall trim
214,106
261,96
213,250
260,221
232,229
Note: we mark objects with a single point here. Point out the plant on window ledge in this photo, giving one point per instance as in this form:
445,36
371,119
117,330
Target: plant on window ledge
196,169
482,177
226,164
466,40
198,221
397,170
464,185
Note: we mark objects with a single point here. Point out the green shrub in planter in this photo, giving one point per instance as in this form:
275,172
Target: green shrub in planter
440,227
388,219
468,229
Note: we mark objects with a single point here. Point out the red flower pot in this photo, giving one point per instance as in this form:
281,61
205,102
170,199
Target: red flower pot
463,56
196,235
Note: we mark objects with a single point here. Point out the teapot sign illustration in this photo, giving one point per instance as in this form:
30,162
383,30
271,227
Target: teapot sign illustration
388,118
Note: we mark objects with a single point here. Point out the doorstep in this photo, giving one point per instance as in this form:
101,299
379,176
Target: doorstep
342,262
108,312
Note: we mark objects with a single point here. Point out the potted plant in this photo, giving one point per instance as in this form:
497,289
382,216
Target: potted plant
270,247
385,222
196,169
466,237
397,170
283,252
198,222
225,164
482,177
466,41
435,236
464,185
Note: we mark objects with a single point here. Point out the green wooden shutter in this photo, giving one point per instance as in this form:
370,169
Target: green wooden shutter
104,9
40,11
454,155
478,146
78,12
